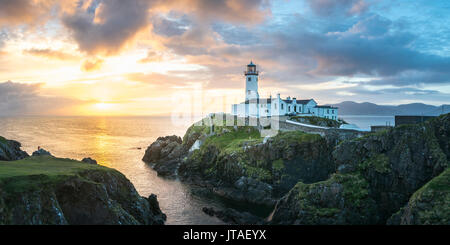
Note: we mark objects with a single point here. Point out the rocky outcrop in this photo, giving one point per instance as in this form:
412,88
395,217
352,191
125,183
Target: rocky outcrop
10,150
259,172
89,160
376,176
45,190
41,152
430,205
165,154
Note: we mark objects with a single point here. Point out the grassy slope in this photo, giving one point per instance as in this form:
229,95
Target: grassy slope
234,140
30,173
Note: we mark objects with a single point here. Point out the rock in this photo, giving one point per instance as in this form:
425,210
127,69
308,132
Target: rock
10,150
165,155
377,174
231,216
430,205
41,152
79,195
261,173
159,216
89,160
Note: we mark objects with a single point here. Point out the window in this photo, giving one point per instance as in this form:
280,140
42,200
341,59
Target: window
295,108
282,106
248,79
275,106
328,111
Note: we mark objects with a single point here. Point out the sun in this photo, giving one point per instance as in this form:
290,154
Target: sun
103,106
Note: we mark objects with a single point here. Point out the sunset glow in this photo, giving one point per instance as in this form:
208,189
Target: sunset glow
72,58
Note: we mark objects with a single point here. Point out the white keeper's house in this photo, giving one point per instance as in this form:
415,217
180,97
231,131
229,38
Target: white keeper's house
254,106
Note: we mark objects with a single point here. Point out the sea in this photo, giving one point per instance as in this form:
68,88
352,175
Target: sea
120,143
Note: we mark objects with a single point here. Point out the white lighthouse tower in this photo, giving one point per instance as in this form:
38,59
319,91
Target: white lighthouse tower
251,82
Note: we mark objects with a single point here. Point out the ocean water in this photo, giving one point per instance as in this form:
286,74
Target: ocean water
365,121
117,142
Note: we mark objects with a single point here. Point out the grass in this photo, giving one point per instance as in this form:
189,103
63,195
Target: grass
380,163
441,184
278,164
32,172
235,139
3,140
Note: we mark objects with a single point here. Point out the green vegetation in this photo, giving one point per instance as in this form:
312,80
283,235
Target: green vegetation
278,164
440,183
431,203
355,188
33,172
3,140
330,198
231,140
258,173
380,163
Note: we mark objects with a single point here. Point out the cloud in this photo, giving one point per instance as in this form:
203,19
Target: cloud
92,64
110,27
13,12
152,56
18,99
235,11
170,27
338,7
50,53
414,77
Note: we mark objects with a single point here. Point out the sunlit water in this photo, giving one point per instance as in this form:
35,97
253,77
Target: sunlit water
117,142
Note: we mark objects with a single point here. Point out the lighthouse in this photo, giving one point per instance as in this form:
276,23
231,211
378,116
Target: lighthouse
254,106
251,82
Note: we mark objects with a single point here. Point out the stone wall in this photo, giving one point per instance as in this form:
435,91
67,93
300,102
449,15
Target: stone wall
340,133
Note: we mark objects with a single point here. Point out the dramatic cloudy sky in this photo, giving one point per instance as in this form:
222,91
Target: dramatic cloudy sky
141,57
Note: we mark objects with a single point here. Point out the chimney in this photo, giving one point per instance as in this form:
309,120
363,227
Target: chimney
294,99
278,96
288,98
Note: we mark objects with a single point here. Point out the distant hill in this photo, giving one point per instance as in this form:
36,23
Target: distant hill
366,108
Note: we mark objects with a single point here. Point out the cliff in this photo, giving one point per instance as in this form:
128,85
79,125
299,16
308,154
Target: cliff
236,163
376,176
373,179
44,190
430,205
10,150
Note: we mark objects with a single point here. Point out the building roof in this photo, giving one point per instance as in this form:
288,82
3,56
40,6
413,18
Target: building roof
251,64
304,102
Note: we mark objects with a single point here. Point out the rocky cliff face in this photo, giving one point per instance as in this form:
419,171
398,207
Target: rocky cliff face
44,190
10,150
336,179
165,154
257,172
430,205
237,164
376,176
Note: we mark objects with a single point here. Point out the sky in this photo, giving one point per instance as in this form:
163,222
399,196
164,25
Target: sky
155,57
